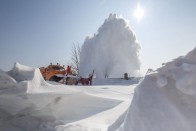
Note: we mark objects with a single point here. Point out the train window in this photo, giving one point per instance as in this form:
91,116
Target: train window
56,67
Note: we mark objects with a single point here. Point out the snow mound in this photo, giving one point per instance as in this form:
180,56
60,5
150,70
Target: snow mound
21,72
16,109
31,79
165,100
6,82
113,51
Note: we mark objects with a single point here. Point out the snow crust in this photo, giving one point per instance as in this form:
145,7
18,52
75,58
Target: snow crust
113,51
165,100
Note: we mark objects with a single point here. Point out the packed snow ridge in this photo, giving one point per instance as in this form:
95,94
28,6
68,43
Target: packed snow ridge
113,51
165,99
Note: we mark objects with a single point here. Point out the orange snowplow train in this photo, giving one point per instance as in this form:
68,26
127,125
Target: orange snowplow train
53,72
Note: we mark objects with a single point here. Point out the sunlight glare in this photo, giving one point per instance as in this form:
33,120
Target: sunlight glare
138,13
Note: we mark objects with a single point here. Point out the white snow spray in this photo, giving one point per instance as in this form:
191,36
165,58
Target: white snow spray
111,52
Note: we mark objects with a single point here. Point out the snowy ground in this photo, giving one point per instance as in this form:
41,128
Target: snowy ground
27,102
164,100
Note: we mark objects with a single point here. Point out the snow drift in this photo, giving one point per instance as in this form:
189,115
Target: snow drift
22,111
28,102
165,100
111,52
31,79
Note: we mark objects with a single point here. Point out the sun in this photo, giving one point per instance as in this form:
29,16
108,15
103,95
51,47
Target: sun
138,13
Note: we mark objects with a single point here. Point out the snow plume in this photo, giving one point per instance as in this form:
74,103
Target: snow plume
165,99
111,52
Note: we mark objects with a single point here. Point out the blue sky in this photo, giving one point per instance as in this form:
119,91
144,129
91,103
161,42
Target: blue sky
37,32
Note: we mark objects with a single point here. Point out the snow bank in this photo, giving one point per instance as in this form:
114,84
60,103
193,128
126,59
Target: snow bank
165,100
27,103
6,82
21,72
111,52
31,79
16,110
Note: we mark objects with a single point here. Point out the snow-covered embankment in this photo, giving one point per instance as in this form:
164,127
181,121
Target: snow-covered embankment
166,99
